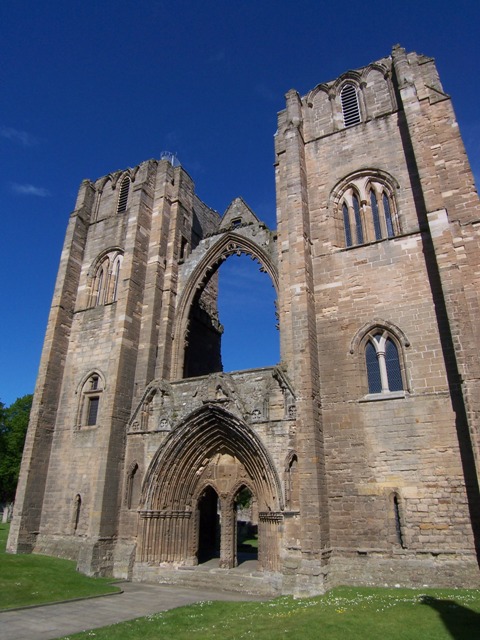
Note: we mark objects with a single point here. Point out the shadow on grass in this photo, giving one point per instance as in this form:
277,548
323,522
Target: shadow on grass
460,622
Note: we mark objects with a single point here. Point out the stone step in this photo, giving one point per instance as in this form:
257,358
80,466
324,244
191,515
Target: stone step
253,583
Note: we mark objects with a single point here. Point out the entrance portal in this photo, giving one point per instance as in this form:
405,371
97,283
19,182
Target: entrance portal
209,526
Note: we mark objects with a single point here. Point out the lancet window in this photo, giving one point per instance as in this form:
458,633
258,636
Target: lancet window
383,365
104,285
89,408
350,105
123,195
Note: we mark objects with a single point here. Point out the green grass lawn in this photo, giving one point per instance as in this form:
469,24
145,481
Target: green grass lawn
343,613
27,579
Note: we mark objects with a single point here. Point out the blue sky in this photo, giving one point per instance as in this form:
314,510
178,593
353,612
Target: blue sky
91,87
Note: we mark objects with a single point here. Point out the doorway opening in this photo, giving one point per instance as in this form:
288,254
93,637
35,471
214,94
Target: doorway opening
246,511
209,526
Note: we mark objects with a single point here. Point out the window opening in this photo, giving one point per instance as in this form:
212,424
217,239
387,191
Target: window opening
99,295
382,360
346,224
90,401
392,362
350,106
388,215
247,311
398,522
104,286
76,512
375,215
133,487
92,411
116,275
123,196
373,369
232,321
358,219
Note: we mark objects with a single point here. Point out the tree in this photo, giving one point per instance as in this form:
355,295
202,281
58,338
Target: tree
13,429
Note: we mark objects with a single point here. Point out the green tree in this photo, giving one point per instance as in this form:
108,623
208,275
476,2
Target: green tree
13,429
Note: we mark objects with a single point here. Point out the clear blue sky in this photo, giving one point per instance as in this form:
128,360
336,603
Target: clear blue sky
91,87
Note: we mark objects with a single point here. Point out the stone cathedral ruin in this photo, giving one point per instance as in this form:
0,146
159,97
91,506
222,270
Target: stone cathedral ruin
359,451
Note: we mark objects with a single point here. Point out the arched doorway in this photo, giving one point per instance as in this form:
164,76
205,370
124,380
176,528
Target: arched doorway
209,534
197,476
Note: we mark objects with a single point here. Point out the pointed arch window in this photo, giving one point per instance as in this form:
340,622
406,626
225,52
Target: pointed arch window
383,366
350,105
358,219
346,225
387,210
123,195
365,207
375,215
90,397
105,281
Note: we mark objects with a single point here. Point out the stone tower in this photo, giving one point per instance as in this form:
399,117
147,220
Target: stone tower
360,450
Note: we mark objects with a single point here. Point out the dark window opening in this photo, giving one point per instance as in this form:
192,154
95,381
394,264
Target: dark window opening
398,522
92,411
388,215
373,369
392,362
375,216
346,224
358,219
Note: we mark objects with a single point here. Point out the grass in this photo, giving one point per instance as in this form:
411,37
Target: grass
27,579
343,613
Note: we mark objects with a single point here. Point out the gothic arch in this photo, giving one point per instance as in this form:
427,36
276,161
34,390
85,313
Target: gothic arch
184,466
206,432
379,323
229,244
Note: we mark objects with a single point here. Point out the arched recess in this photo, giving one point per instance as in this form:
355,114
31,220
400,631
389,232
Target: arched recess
212,448
229,244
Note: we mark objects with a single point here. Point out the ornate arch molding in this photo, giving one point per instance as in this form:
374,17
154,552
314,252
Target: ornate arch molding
367,174
174,476
89,374
229,244
117,178
101,256
364,332
353,77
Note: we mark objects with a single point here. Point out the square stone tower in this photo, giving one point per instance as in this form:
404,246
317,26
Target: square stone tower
359,452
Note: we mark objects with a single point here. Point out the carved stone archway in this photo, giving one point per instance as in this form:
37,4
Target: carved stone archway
215,449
